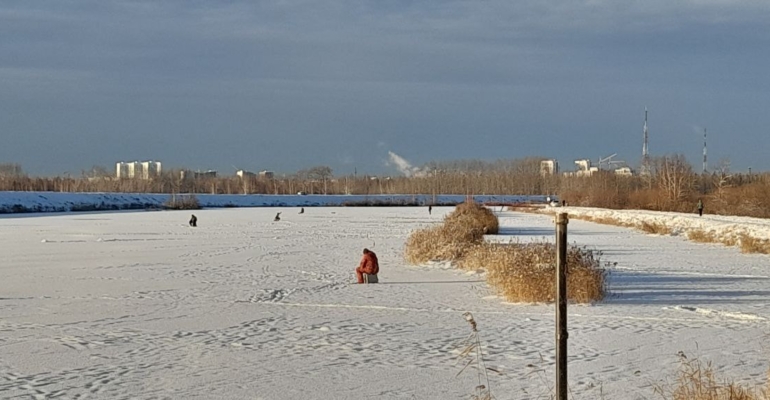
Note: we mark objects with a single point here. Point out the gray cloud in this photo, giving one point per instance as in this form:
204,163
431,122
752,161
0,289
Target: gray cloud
286,85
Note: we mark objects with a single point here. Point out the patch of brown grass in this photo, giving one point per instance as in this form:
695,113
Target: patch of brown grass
462,229
182,202
747,243
750,244
649,227
444,242
701,236
527,272
520,272
604,220
655,228
696,380
474,216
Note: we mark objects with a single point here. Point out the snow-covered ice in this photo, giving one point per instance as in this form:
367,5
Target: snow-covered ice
140,305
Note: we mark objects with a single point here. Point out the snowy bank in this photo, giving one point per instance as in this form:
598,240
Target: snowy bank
18,202
730,230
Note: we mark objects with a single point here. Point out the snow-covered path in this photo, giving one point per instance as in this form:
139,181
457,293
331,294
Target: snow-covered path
138,305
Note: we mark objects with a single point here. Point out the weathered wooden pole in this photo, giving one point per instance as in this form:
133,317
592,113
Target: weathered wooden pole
561,306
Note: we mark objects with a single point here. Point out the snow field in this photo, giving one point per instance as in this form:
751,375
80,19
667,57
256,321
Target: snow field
139,305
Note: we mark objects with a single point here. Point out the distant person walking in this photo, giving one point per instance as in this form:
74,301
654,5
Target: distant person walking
430,209
277,217
700,207
194,221
302,210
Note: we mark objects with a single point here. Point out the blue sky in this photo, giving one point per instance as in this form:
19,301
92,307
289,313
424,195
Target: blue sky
285,85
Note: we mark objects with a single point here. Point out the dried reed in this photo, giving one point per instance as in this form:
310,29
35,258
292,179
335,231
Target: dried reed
473,357
750,244
697,380
527,272
462,229
182,202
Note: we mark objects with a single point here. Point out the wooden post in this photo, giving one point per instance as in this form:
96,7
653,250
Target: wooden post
561,306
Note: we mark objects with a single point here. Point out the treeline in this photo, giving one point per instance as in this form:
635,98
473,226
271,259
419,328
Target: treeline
670,185
502,177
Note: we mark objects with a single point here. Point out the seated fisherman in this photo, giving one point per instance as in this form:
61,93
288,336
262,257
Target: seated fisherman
369,265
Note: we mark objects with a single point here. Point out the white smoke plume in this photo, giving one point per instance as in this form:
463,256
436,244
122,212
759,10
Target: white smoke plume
404,166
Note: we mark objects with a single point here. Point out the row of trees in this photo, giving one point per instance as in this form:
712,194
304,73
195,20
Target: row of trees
671,184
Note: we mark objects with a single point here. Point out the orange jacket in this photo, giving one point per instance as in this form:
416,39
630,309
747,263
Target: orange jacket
369,264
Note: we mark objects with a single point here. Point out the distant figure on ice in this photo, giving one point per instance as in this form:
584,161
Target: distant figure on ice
277,217
430,209
193,221
700,207
368,268
302,210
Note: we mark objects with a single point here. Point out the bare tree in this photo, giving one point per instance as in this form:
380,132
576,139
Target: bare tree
11,170
675,177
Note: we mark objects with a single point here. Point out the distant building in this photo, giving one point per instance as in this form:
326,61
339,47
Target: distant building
150,169
624,171
584,168
186,174
137,170
10,169
245,174
549,167
121,170
266,174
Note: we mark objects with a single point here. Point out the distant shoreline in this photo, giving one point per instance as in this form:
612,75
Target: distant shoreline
47,202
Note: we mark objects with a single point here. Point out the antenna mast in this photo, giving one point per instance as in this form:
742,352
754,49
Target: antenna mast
645,151
704,151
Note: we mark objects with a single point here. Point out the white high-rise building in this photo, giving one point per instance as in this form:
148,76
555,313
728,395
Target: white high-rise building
138,170
121,170
549,167
150,169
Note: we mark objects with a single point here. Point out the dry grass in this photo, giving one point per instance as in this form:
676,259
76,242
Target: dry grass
527,272
182,202
697,381
751,244
701,236
462,229
473,357
655,228
520,272
604,220
747,243
473,215
649,227
443,242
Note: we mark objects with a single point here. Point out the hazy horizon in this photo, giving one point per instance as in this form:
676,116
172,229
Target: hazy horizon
289,85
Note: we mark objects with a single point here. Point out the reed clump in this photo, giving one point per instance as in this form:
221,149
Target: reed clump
519,272
696,380
472,215
527,272
702,236
182,202
655,228
441,243
462,229
750,244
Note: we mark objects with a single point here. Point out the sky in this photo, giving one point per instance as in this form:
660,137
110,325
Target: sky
286,85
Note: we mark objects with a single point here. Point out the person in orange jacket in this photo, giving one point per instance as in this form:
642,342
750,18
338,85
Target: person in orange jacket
369,265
